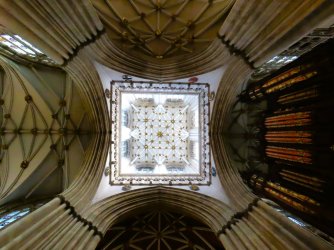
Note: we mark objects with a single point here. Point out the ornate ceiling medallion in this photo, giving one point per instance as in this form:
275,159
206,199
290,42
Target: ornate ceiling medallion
160,133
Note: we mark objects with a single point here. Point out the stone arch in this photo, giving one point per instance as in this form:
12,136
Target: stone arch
160,229
208,210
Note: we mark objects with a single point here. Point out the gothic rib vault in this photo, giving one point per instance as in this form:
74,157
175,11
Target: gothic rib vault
79,35
43,134
162,29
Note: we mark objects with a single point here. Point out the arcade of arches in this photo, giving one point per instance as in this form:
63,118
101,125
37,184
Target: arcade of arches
166,124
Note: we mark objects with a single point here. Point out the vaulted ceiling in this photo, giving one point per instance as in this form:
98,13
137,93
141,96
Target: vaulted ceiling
151,39
43,133
162,28
156,229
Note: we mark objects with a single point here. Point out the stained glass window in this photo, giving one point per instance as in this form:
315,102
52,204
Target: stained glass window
16,47
9,213
8,218
273,64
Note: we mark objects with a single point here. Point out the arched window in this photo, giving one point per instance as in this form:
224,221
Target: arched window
15,47
12,216
13,212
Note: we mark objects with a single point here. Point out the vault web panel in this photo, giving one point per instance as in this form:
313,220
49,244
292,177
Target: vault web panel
159,134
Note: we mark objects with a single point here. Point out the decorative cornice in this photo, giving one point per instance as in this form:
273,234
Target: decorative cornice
235,51
82,45
79,217
238,216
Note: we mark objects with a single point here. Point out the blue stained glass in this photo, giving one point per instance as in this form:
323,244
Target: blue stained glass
18,46
13,216
23,213
13,213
